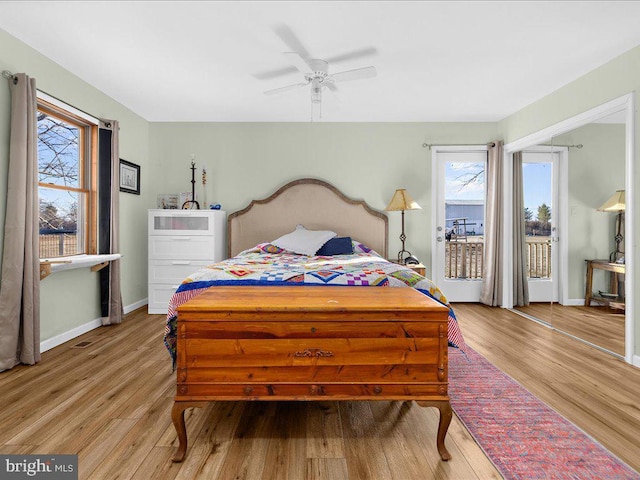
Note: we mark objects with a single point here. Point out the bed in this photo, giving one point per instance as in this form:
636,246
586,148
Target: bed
272,324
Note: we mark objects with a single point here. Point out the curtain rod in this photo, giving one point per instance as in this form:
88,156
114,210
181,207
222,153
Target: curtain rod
9,76
579,145
429,145
490,144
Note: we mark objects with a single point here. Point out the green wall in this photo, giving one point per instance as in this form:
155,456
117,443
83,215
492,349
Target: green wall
596,171
70,299
367,161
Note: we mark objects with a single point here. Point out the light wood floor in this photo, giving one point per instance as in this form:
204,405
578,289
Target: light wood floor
110,403
601,326
90,401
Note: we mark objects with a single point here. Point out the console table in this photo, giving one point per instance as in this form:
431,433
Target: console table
615,269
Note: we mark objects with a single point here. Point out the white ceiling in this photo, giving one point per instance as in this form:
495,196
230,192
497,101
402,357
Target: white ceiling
436,61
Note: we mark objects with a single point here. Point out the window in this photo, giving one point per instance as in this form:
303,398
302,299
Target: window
66,180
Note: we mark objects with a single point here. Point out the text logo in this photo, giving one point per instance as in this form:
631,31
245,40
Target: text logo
41,467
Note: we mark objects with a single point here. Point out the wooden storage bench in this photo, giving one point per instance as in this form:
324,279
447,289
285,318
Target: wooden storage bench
311,343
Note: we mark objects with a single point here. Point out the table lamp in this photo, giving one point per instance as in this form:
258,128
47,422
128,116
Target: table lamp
616,204
402,201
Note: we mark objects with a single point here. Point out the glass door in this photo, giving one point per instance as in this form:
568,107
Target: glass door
540,182
458,243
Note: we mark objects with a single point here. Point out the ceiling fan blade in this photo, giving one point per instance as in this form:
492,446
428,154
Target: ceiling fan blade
299,62
333,91
356,74
268,75
363,52
291,40
285,89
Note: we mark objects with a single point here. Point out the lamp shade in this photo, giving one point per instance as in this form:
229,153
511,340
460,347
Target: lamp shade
615,203
402,201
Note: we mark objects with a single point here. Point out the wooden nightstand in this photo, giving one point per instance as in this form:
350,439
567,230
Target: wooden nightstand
419,268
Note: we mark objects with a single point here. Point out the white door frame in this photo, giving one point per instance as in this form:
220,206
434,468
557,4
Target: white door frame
625,103
437,261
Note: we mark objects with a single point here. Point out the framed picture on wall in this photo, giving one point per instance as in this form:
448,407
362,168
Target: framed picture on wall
129,177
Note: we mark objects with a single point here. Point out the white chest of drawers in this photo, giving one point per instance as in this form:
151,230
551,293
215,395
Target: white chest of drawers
181,242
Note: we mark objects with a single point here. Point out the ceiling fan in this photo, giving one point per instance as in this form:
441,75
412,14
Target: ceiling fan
316,71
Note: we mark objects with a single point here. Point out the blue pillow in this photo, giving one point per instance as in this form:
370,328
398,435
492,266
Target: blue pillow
336,246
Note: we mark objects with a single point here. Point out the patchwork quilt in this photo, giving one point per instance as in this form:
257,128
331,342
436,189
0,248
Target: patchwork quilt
267,264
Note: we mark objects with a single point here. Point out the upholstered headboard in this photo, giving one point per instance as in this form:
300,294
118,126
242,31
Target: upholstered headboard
313,203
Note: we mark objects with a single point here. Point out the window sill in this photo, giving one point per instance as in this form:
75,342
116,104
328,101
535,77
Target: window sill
59,264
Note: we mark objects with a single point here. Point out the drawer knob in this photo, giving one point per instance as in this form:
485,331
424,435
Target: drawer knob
248,390
377,389
313,329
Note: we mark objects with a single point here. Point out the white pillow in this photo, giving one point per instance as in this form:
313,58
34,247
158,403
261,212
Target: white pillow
303,241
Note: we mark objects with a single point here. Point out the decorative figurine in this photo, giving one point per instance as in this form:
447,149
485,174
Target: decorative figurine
193,203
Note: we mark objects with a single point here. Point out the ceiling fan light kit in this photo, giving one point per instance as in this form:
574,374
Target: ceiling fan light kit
316,71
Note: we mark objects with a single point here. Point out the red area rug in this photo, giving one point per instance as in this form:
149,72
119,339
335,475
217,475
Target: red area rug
523,437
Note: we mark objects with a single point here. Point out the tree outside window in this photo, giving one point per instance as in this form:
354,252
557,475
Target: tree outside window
64,183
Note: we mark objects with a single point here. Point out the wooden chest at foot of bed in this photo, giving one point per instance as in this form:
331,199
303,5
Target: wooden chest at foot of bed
311,343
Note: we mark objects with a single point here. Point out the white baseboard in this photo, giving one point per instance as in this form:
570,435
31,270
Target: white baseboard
52,342
574,302
136,305
635,361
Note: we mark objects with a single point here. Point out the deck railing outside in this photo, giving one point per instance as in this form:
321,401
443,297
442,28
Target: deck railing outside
539,257
464,258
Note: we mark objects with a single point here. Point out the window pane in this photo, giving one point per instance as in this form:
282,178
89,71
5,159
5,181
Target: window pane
537,182
60,215
58,151
464,194
464,198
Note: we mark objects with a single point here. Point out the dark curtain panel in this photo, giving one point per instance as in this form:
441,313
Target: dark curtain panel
108,220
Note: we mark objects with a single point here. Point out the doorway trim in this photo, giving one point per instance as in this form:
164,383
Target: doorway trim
624,103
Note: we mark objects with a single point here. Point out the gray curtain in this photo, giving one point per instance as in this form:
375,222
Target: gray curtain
520,280
491,293
20,282
109,231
